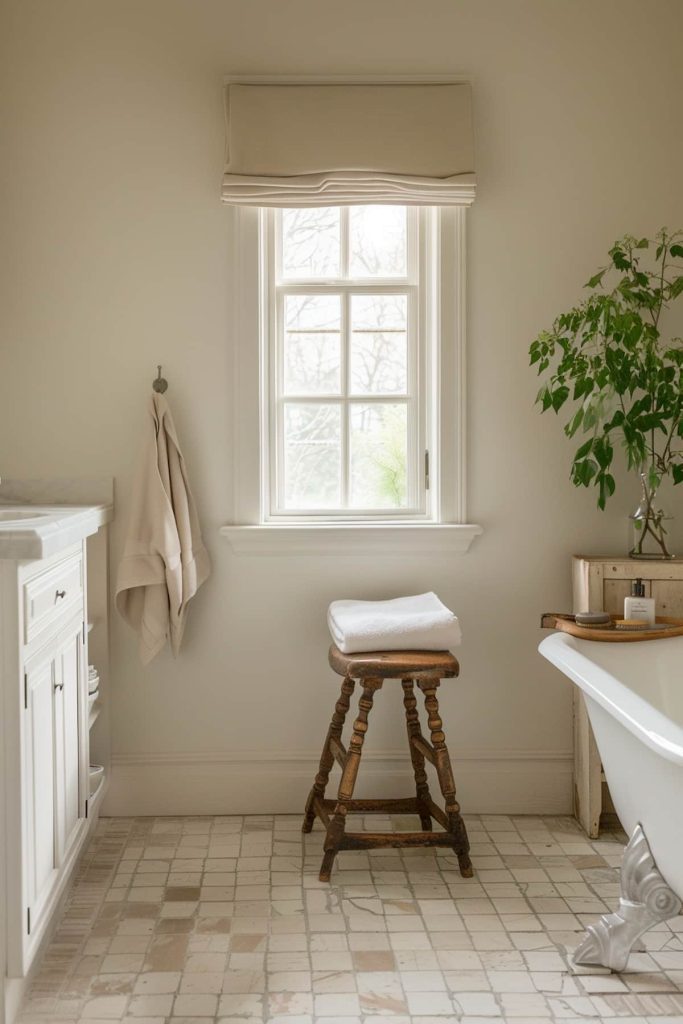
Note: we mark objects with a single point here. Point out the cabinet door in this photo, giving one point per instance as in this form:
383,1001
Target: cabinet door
68,700
39,790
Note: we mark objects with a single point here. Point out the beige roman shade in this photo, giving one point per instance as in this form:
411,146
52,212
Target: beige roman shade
341,145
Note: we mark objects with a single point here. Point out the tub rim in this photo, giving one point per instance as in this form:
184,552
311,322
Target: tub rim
646,722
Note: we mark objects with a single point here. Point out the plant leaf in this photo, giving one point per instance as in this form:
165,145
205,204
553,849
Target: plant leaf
596,279
574,423
559,397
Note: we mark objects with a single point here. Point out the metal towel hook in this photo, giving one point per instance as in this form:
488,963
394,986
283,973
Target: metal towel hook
159,384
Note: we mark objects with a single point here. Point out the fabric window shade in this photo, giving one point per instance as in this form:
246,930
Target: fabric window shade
341,145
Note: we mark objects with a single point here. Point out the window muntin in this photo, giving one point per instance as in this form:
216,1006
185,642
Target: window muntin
345,362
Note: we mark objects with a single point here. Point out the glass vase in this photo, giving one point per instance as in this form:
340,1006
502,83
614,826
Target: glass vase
649,532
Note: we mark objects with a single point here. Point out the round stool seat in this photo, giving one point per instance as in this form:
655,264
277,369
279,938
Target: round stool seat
394,664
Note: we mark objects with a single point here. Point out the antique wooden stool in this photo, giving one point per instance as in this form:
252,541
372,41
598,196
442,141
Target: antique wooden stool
427,669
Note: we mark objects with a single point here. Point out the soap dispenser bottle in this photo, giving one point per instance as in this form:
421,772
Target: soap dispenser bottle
637,606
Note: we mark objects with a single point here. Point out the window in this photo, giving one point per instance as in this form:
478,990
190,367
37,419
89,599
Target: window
348,333
376,353
348,356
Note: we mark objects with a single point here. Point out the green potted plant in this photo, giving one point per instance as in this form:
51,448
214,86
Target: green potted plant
609,359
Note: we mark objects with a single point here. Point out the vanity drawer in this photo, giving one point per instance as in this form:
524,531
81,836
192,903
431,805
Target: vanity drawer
49,594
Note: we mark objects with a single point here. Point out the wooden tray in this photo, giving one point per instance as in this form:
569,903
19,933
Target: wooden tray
665,627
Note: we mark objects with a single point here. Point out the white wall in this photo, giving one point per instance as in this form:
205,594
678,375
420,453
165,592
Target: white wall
118,257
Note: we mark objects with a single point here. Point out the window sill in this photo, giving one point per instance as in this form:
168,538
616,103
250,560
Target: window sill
349,538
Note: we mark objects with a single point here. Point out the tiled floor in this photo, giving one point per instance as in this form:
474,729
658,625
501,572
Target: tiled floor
203,920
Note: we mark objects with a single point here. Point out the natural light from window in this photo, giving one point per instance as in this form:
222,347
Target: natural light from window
344,361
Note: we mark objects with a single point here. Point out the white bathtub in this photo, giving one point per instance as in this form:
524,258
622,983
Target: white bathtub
634,696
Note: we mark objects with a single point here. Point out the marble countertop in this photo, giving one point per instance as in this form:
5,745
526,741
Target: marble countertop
37,531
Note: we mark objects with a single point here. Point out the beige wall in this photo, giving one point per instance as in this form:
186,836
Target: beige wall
118,257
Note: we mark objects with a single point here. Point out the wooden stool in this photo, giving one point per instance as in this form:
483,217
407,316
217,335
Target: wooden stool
427,669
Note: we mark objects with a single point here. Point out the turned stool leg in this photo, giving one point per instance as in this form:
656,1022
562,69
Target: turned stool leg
461,845
327,758
335,830
421,783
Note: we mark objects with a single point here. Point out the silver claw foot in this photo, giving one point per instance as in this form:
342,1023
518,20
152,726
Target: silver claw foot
645,900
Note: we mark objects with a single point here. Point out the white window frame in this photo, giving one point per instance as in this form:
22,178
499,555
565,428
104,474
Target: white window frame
443,524
416,286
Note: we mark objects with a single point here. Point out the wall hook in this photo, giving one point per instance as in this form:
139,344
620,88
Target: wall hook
159,384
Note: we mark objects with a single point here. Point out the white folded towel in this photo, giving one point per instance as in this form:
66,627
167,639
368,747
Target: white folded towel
419,623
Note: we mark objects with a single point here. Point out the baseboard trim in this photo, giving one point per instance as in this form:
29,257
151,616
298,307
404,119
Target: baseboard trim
250,782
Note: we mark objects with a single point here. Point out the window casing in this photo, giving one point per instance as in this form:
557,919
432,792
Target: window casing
251,528
357,424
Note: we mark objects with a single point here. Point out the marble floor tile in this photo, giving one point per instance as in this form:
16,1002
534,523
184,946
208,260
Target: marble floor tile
222,920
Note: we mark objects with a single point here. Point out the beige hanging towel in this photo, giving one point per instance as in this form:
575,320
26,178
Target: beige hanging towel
164,559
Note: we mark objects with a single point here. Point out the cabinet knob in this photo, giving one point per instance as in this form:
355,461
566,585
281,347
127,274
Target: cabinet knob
59,594
59,686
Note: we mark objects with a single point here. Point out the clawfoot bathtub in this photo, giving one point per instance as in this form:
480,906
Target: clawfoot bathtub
634,696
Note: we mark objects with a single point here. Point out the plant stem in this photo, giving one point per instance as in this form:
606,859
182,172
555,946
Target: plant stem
651,523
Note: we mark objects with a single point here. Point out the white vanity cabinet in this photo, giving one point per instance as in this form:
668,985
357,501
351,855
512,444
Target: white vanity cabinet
46,739
54,620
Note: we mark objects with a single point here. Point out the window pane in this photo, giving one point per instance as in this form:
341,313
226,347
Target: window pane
378,450
312,352
378,241
310,243
378,358
312,456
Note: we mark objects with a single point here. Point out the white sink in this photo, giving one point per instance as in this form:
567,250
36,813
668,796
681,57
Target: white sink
37,531
11,515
